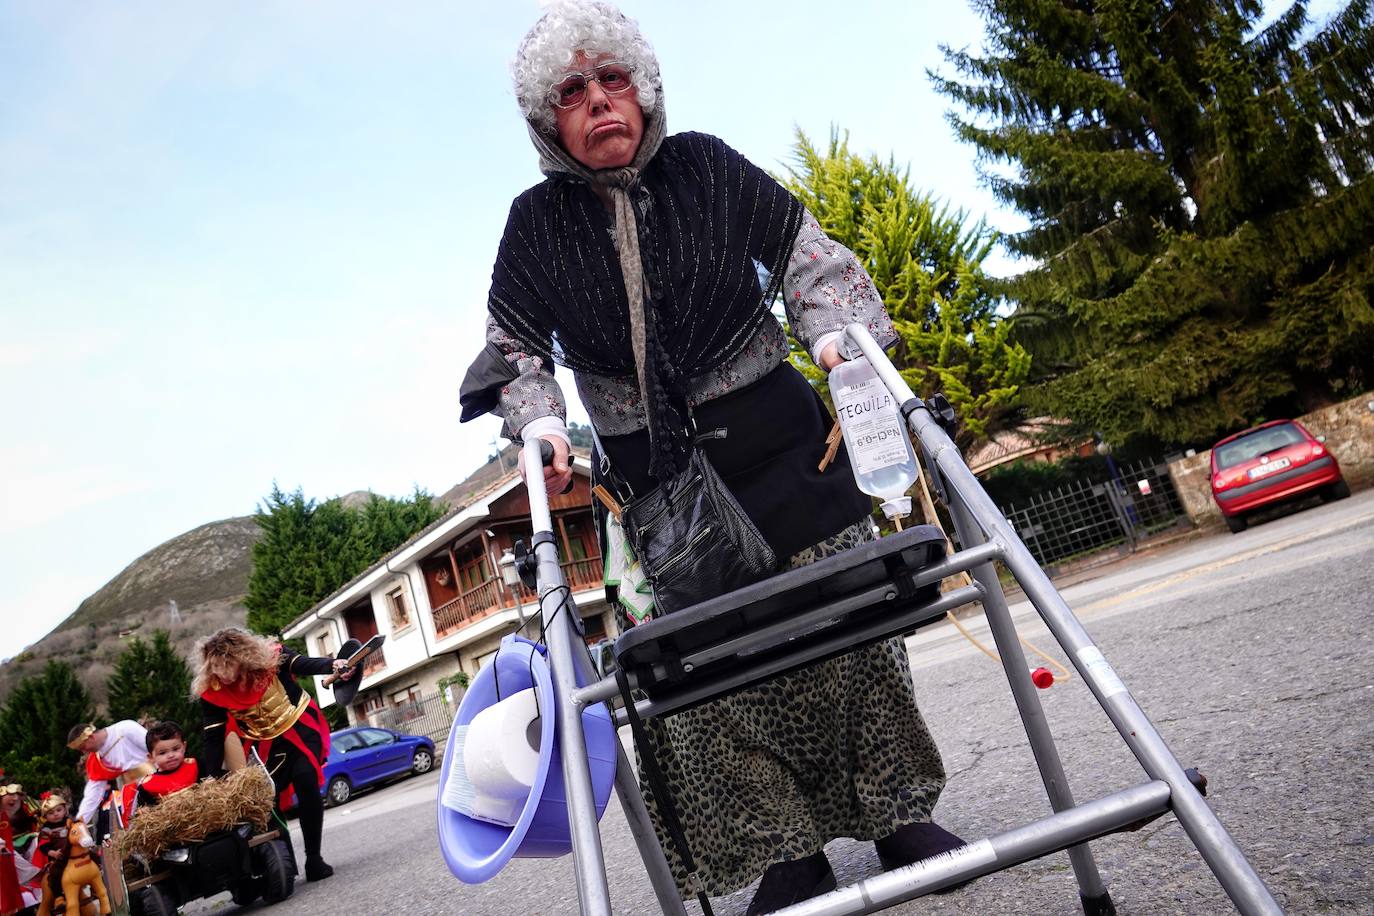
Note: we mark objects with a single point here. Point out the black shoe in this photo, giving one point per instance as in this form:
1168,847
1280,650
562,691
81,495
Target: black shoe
786,883
915,842
317,869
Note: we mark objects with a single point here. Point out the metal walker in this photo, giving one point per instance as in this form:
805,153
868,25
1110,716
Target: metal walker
702,652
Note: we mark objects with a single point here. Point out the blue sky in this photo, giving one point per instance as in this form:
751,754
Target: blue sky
250,242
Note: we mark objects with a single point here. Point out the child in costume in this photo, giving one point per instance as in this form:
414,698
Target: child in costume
67,843
52,843
247,688
174,770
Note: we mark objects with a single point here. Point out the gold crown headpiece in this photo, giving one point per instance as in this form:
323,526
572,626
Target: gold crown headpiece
51,800
13,788
86,731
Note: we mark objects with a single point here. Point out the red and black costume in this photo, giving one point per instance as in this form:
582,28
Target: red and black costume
279,720
153,787
17,836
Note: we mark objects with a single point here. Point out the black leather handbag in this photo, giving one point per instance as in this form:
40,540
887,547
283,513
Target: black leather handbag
693,540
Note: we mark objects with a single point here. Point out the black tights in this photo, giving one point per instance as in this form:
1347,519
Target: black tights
297,772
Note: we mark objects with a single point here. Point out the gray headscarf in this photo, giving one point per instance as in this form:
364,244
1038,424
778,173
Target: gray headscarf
555,160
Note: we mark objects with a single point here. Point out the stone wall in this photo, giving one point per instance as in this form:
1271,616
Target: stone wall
1349,431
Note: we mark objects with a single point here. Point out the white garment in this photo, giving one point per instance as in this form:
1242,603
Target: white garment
125,747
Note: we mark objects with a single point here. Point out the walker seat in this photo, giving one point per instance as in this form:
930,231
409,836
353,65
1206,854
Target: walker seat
798,617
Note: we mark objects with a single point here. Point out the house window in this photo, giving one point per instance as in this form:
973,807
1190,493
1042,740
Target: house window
324,641
473,568
576,530
373,703
594,628
410,695
398,605
482,660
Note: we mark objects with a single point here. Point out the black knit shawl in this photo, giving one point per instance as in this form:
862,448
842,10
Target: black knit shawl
706,215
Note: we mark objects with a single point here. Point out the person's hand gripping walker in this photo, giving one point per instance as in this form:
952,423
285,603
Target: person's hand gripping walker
557,464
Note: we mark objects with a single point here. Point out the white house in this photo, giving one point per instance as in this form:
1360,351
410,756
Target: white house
440,600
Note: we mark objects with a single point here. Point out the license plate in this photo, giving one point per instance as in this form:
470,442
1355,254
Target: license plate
1269,468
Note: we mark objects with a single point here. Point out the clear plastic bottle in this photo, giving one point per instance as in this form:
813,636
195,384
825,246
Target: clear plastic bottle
879,448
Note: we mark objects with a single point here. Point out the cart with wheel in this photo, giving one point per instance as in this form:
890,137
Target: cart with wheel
214,836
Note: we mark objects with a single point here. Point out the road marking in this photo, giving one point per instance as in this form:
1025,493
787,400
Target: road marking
941,642
1212,567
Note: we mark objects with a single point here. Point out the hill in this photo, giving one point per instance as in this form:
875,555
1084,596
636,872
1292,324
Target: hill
205,571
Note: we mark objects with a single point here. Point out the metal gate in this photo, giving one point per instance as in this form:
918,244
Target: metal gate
429,716
1085,517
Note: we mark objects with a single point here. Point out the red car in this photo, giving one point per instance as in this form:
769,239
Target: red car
1271,463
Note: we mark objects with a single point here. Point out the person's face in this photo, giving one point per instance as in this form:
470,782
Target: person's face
92,744
10,803
603,129
56,815
168,753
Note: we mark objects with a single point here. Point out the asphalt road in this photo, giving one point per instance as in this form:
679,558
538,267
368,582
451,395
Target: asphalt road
1251,653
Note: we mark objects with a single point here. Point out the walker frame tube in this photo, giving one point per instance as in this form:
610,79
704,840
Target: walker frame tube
972,503
985,536
554,595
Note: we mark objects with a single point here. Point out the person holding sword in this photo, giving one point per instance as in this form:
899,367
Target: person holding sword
248,693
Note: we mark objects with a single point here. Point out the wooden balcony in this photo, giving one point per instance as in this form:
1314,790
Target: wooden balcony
489,597
583,574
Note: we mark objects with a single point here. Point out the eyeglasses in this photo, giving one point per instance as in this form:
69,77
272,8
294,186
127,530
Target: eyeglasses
613,76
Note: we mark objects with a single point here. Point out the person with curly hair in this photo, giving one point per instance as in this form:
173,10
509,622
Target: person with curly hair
648,264
249,697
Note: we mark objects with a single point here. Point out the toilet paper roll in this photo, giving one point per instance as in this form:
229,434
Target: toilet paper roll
501,753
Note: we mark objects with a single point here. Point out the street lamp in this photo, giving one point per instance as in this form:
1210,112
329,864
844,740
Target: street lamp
511,576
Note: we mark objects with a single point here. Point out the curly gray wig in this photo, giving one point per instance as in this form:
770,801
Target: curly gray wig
569,26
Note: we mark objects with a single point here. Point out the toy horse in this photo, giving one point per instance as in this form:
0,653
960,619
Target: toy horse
80,871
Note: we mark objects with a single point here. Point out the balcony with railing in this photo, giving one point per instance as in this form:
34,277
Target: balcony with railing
582,574
375,661
491,596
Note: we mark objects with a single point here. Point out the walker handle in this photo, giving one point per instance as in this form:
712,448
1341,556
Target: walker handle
546,458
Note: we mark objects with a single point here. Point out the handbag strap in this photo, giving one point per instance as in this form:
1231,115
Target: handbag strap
659,786
620,487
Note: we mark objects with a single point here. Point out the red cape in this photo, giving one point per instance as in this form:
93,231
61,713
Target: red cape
96,771
10,899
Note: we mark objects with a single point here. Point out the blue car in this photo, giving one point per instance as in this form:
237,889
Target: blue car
365,756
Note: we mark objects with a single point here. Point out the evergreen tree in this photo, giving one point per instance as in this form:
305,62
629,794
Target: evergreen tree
34,723
926,264
151,681
580,436
1201,205
309,550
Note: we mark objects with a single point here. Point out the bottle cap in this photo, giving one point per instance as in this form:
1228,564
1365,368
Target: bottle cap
897,508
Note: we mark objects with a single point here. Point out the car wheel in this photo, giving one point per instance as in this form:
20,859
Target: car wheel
1338,490
152,901
422,762
340,791
1236,523
272,860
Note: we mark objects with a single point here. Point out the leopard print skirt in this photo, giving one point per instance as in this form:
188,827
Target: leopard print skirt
775,772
